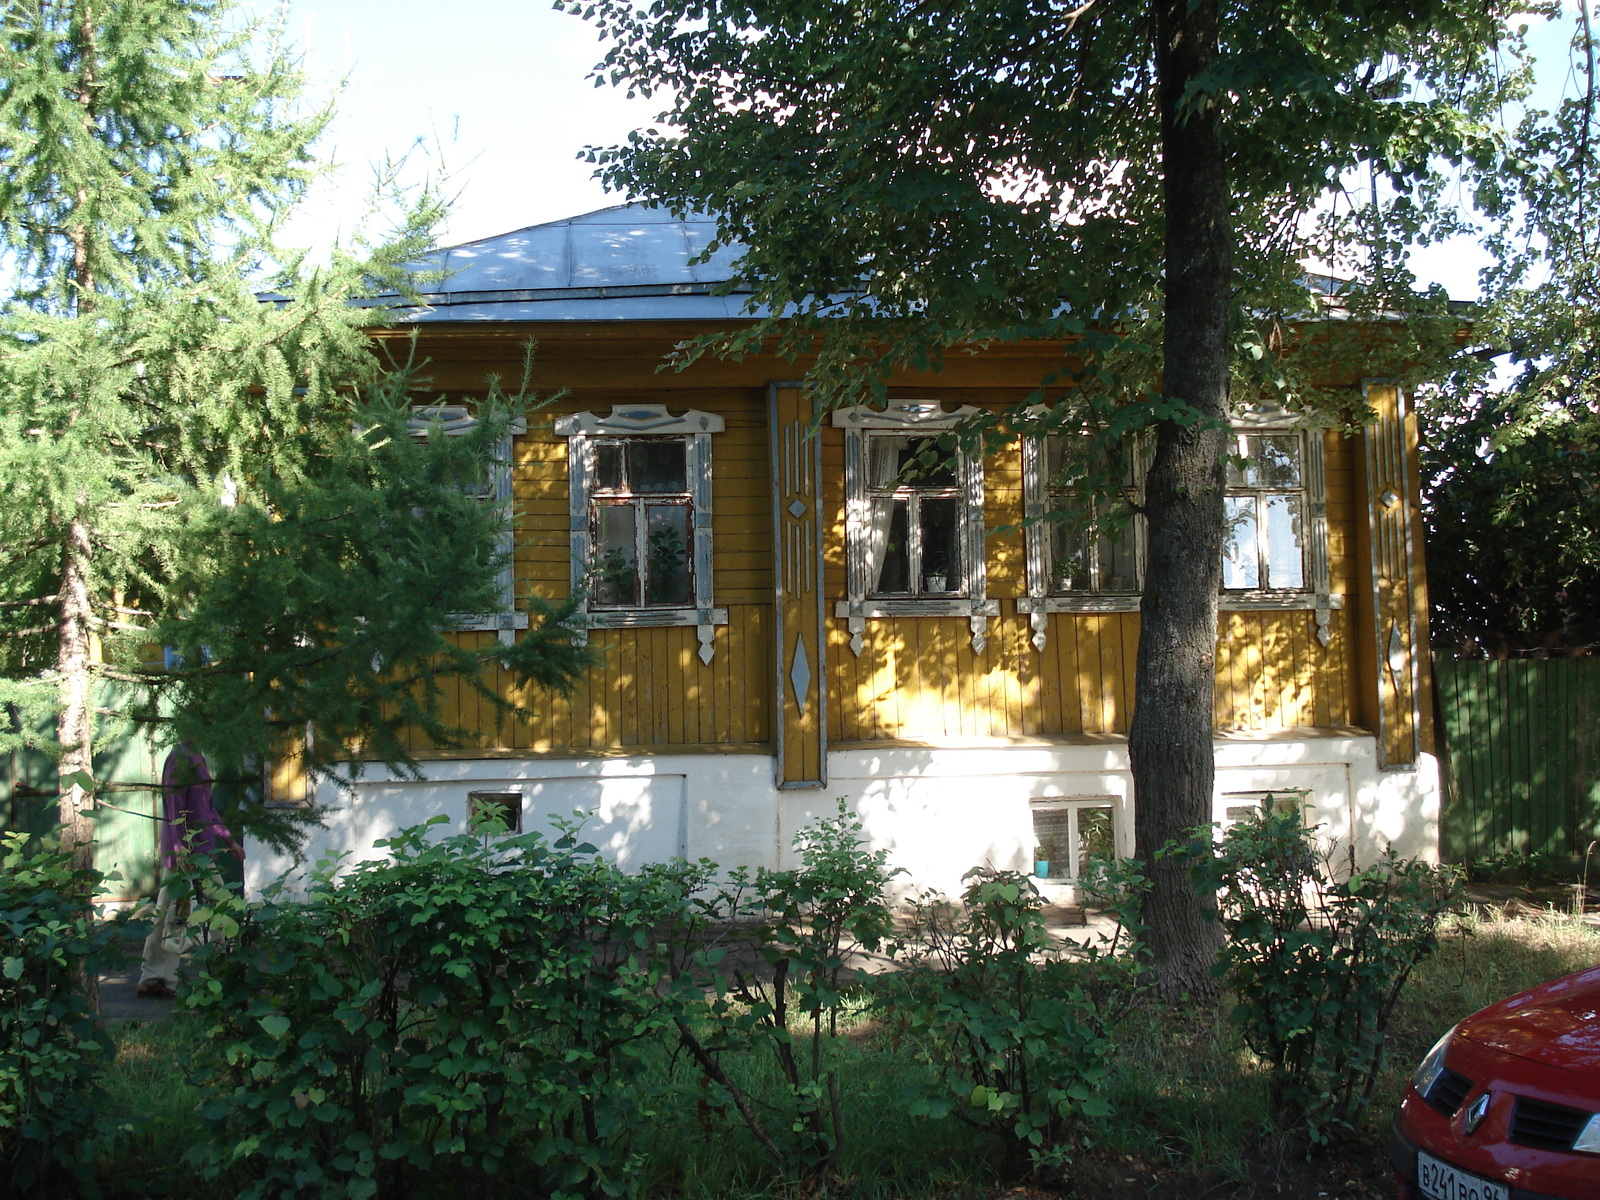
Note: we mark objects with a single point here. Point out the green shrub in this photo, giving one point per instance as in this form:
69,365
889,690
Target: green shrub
799,928
472,1017
1015,1025
51,1051
1318,960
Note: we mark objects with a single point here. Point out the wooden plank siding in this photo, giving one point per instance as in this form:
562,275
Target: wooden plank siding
917,679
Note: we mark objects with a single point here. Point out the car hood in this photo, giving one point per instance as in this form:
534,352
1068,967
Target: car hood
1557,1024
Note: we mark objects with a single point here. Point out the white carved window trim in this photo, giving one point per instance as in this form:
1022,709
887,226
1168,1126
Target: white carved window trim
1317,596
859,607
582,430
455,420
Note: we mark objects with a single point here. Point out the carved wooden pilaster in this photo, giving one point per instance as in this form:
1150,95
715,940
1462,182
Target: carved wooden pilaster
800,642
1393,562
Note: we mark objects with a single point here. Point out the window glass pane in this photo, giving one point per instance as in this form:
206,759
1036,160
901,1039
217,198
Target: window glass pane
1096,833
667,554
1055,460
1285,564
898,462
1240,568
894,564
1052,842
1118,566
923,464
659,466
883,460
941,548
1277,460
1242,476
608,466
1069,558
617,565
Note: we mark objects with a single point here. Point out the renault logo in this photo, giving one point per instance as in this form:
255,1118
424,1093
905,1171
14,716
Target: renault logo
1475,1114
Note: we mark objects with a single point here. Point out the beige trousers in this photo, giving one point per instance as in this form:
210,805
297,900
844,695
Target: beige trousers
172,935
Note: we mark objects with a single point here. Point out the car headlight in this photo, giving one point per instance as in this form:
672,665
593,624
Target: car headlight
1432,1065
1589,1138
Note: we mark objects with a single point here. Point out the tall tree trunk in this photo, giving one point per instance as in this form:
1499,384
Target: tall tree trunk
74,729
75,722
1170,743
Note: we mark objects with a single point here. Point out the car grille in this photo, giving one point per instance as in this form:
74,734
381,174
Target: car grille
1448,1091
1547,1126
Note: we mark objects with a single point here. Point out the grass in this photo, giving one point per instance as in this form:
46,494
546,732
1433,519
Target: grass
1190,1101
1481,959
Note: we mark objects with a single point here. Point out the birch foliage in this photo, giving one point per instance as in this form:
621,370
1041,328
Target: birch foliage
1143,182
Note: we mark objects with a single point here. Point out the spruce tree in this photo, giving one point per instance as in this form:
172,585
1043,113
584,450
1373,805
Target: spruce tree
199,447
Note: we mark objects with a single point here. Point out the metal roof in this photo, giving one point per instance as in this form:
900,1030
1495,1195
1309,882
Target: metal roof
628,263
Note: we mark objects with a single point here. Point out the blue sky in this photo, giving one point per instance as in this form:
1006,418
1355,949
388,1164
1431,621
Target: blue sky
499,90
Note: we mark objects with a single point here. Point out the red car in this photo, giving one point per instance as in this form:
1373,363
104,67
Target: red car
1506,1106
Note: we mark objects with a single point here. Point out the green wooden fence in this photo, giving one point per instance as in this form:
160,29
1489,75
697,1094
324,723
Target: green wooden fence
1521,756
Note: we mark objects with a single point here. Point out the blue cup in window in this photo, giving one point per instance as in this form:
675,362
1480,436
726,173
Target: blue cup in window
1041,868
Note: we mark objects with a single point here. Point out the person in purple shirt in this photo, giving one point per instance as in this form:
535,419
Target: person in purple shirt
189,826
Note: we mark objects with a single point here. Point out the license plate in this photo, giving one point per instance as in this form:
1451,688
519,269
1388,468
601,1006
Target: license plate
1440,1181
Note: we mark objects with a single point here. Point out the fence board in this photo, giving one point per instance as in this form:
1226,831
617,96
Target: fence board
1522,769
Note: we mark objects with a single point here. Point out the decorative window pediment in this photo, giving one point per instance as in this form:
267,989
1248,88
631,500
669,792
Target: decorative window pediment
639,486
913,520
454,420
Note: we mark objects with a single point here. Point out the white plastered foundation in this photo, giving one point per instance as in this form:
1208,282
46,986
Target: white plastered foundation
938,811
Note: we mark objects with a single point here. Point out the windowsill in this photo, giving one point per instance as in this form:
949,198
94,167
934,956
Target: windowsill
1128,602
487,622
648,618
1226,602
917,606
1236,601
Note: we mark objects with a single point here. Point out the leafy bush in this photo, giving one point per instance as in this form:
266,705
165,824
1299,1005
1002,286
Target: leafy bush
51,1051
1512,866
803,926
1015,1025
1318,960
476,1011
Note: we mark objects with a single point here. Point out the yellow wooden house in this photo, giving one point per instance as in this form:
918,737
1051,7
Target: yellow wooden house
785,615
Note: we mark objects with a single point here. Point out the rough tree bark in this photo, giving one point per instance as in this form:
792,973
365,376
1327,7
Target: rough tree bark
1170,742
74,733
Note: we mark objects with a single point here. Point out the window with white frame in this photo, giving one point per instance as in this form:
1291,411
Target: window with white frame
913,519
454,420
1234,807
1275,553
639,483
1067,832
1084,554
1265,535
641,522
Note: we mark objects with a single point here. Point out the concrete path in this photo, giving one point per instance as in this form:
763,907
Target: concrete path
118,985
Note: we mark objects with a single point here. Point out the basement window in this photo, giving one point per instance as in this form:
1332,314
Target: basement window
1243,806
1068,831
487,809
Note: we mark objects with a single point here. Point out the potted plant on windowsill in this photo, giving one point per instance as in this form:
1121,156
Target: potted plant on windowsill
936,576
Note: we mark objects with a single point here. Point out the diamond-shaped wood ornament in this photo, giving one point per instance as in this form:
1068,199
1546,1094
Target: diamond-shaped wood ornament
800,674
